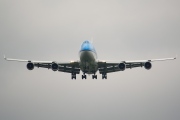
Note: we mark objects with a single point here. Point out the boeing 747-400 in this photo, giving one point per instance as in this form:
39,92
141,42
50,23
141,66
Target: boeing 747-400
88,64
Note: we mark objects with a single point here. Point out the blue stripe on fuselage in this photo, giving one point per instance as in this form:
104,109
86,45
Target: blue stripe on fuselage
87,46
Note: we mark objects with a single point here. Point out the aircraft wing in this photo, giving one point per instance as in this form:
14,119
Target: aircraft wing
68,67
108,67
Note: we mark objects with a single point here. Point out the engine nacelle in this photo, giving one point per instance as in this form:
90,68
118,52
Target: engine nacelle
30,66
147,65
54,66
122,66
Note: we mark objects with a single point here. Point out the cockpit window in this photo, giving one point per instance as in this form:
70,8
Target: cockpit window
86,41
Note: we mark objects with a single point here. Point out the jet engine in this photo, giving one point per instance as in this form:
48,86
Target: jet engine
122,66
30,66
54,66
147,65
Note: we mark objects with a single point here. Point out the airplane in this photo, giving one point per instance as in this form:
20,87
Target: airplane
88,64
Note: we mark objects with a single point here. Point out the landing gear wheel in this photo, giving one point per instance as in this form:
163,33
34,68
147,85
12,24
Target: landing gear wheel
94,76
83,76
73,76
104,76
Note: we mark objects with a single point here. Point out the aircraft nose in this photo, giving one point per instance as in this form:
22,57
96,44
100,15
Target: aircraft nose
85,47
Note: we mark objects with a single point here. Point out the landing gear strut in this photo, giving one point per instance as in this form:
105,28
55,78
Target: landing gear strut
84,76
73,76
94,76
104,76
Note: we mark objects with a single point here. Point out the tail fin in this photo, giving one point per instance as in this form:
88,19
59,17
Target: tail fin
92,39
176,56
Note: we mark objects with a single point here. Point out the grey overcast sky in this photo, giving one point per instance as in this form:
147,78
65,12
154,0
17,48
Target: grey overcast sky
121,30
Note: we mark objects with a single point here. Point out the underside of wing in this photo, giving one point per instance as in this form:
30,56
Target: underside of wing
69,67
105,67
115,67
72,67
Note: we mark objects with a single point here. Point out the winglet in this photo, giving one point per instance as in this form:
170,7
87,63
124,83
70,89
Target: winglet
176,57
5,57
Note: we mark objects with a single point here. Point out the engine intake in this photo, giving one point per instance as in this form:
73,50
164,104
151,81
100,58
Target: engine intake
147,65
54,66
122,66
30,66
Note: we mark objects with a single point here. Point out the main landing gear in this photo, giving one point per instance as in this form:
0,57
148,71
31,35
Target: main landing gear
84,76
94,76
104,76
73,76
